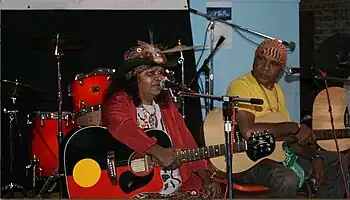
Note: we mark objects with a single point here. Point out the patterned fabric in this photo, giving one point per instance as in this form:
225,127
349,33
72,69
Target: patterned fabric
273,48
291,163
174,196
149,117
144,50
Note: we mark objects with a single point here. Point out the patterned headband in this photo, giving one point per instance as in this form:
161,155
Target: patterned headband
135,71
144,50
273,48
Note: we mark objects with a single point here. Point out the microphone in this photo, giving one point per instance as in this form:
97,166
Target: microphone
211,55
166,84
204,67
289,45
292,70
256,101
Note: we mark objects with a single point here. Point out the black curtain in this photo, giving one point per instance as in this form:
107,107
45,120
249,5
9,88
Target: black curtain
107,35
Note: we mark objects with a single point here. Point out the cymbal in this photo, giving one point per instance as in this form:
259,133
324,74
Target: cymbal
184,48
16,89
64,43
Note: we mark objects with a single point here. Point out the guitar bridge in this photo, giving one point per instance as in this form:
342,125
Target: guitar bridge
112,173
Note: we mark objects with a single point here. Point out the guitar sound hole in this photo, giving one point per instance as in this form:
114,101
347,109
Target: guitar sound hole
140,165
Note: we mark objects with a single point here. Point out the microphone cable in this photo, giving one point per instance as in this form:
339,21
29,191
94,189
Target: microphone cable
345,180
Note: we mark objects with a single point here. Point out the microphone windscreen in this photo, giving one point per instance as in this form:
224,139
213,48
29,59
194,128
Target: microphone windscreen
256,101
292,46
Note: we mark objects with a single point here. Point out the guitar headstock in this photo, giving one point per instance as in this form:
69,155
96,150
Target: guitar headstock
260,144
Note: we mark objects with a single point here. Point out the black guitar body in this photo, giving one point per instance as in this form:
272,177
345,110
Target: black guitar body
94,142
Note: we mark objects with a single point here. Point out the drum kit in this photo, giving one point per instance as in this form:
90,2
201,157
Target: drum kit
87,92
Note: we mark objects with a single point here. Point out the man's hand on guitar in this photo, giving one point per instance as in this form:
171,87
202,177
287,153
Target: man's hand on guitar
305,134
167,157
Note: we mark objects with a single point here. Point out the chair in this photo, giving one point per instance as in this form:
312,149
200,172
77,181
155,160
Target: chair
242,190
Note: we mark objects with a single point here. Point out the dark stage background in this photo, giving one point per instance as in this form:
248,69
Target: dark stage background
107,34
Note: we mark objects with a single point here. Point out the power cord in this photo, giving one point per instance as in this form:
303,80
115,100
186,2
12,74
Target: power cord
200,57
324,75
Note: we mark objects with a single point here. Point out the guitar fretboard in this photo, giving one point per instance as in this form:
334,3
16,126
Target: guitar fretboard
209,152
328,134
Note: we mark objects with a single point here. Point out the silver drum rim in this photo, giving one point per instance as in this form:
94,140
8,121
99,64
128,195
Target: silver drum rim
89,109
94,72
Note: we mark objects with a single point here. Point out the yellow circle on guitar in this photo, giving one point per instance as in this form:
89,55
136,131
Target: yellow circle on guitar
86,172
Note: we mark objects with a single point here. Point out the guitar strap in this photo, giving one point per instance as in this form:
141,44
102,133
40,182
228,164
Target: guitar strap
291,163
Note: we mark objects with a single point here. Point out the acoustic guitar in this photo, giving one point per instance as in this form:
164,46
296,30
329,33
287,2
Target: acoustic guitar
98,166
321,121
214,134
214,126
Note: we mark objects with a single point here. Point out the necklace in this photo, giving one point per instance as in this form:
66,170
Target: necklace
152,117
270,108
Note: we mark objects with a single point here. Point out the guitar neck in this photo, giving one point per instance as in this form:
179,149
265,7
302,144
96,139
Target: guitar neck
328,134
209,152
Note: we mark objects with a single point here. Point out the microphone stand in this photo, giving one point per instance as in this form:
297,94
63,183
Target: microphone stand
289,45
181,61
229,114
209,77
59,99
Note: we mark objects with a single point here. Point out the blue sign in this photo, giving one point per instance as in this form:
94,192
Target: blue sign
224,13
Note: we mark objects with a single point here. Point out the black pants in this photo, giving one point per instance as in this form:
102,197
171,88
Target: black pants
283,182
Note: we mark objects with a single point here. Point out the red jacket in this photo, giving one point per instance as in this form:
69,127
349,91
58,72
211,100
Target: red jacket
120,118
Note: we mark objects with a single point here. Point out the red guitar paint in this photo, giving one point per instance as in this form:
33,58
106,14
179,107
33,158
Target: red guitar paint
98,166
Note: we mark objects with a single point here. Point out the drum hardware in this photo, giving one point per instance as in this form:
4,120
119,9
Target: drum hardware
95,89
44,137
10,187
58,56
34,166
99,71
83,104
89,109
49,185
14,91
88,92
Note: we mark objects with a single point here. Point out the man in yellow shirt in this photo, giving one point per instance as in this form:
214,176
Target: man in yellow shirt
269,62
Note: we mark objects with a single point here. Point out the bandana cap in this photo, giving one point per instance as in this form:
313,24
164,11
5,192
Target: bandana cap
273,48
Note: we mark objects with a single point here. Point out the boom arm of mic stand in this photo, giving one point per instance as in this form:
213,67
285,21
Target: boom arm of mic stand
204,68
289,45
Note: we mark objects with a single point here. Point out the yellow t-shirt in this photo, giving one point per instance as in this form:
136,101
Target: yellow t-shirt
246,86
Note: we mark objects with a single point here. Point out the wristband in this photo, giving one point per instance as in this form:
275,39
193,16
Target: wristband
316,156
298,129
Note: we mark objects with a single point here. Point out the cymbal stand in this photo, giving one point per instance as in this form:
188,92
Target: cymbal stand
34,167
49,185
9,188
59,99
181,61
